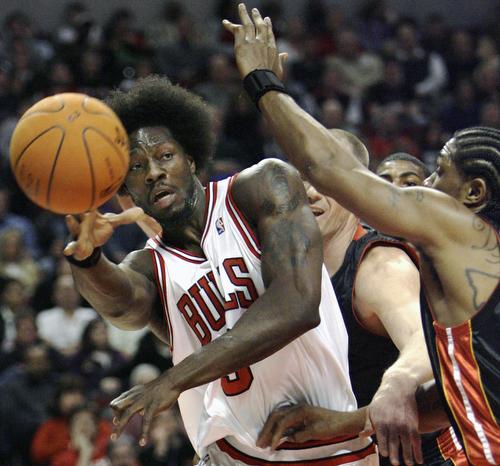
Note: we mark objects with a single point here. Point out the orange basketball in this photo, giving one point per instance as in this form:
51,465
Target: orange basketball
69,153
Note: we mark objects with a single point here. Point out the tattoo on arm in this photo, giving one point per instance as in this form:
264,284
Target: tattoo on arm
489,244
470,274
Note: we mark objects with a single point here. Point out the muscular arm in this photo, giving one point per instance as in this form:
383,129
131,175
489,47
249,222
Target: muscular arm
387,300
119,293
273,198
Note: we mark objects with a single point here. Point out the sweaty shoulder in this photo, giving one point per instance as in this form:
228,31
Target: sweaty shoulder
269,187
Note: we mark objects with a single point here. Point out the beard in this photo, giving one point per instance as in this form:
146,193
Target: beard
180,217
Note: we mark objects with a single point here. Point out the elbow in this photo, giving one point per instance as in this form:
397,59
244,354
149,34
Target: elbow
309,317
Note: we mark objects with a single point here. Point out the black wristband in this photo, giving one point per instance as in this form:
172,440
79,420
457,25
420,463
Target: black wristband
258,82
90,261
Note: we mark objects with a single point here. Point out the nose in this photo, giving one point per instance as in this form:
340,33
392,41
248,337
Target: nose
154,173
312,195
427,183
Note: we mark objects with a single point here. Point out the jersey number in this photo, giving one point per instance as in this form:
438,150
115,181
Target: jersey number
239,381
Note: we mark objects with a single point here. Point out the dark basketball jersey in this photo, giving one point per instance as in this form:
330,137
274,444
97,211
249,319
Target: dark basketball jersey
369,354
466,364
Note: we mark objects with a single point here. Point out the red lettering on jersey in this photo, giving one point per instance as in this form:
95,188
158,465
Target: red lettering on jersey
241,380
193,318
231,266
216,323
238,382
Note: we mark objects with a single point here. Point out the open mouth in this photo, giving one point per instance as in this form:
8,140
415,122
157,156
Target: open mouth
159,195
317,212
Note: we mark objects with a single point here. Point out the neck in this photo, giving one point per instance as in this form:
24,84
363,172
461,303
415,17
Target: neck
186,233
335,245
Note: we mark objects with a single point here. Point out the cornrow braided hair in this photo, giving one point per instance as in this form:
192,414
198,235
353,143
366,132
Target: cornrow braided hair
478,154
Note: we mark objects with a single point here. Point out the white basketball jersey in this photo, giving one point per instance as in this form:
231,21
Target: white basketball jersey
205,297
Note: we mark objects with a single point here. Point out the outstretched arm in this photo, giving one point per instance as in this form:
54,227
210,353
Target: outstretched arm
122,294
272,197
326,160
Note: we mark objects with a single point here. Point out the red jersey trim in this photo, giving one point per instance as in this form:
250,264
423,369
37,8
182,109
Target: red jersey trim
180,253
460,377
210,200
242,223
161,283
227,448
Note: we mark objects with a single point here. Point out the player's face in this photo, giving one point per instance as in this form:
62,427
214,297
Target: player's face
446,178
161,176
401,173
330,215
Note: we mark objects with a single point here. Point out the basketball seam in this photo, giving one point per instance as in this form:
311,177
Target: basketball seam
52,171
41,112
91,166
84,107
110,141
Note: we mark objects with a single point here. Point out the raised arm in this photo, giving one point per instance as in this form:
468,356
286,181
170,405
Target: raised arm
122,294
420,215
273,198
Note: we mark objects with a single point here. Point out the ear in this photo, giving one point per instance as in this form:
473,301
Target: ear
192,164
477,195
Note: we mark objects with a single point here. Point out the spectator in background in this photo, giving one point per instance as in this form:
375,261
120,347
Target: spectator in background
14,299
53,435
461,61
62,326
16,261
463,109
8,219
123,452
357,69
168,442
220,83
95,359
424,73
26,336
89,439
25,395
435,34
490,114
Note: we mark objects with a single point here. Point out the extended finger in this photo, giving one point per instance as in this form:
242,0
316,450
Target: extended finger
416,442
271,41
73,225
260,25
381,433
126,217
147,420
286,426
406,447
121,419
394,446
247,23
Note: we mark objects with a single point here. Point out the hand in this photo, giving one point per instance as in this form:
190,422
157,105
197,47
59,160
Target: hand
394,417
254,43
148,224
148,400
94,229
301,423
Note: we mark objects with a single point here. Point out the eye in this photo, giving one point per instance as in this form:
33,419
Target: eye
135,166
409,184
166,156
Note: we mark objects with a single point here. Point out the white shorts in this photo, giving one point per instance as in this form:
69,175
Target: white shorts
222,453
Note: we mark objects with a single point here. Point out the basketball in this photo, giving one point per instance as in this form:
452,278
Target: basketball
69,153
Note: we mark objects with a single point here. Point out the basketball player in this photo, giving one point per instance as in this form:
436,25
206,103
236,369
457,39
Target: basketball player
235,285
377,285
403,170
454,226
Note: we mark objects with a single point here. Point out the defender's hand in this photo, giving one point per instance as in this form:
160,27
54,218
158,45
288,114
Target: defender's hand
301,423
94,229
148,400
394,417
254,43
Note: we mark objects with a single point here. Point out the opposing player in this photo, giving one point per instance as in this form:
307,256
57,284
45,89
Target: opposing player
234,284
403,170
454,226
377,285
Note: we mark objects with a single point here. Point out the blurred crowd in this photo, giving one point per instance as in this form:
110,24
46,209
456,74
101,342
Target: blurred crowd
400,85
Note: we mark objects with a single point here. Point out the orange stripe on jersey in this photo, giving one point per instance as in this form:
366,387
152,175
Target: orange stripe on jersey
461,380
450,450
337,460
